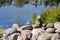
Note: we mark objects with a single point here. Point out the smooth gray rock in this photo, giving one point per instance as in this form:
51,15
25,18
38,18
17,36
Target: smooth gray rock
10,31
50,25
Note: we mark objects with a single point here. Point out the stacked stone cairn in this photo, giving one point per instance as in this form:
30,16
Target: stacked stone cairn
38,31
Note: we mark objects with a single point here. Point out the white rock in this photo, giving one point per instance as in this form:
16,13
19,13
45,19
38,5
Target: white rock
36,33
15,26
57,25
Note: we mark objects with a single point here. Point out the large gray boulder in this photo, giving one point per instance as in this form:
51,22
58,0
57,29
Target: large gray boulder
50,25
10,31
36,33
57,25
27,34
28,26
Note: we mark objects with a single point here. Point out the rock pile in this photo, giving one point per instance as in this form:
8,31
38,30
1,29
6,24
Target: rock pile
39,31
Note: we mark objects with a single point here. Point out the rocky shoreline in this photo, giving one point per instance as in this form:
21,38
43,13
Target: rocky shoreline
38,31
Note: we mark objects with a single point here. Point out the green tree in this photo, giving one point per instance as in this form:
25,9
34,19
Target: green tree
18,3
33,19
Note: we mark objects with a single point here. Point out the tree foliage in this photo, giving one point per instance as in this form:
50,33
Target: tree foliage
20,3
33,19
50,15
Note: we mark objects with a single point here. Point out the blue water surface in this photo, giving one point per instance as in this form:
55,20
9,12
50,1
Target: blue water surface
8,13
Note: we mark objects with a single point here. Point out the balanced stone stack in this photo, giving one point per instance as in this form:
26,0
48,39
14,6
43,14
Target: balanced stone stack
15,25
38,22
28,26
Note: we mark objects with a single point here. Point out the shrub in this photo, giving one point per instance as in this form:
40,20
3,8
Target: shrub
1,30
33,19
50,15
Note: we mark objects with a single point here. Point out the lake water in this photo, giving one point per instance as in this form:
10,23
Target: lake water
8,13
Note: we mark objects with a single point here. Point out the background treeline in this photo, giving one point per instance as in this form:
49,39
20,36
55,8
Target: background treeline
20,3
